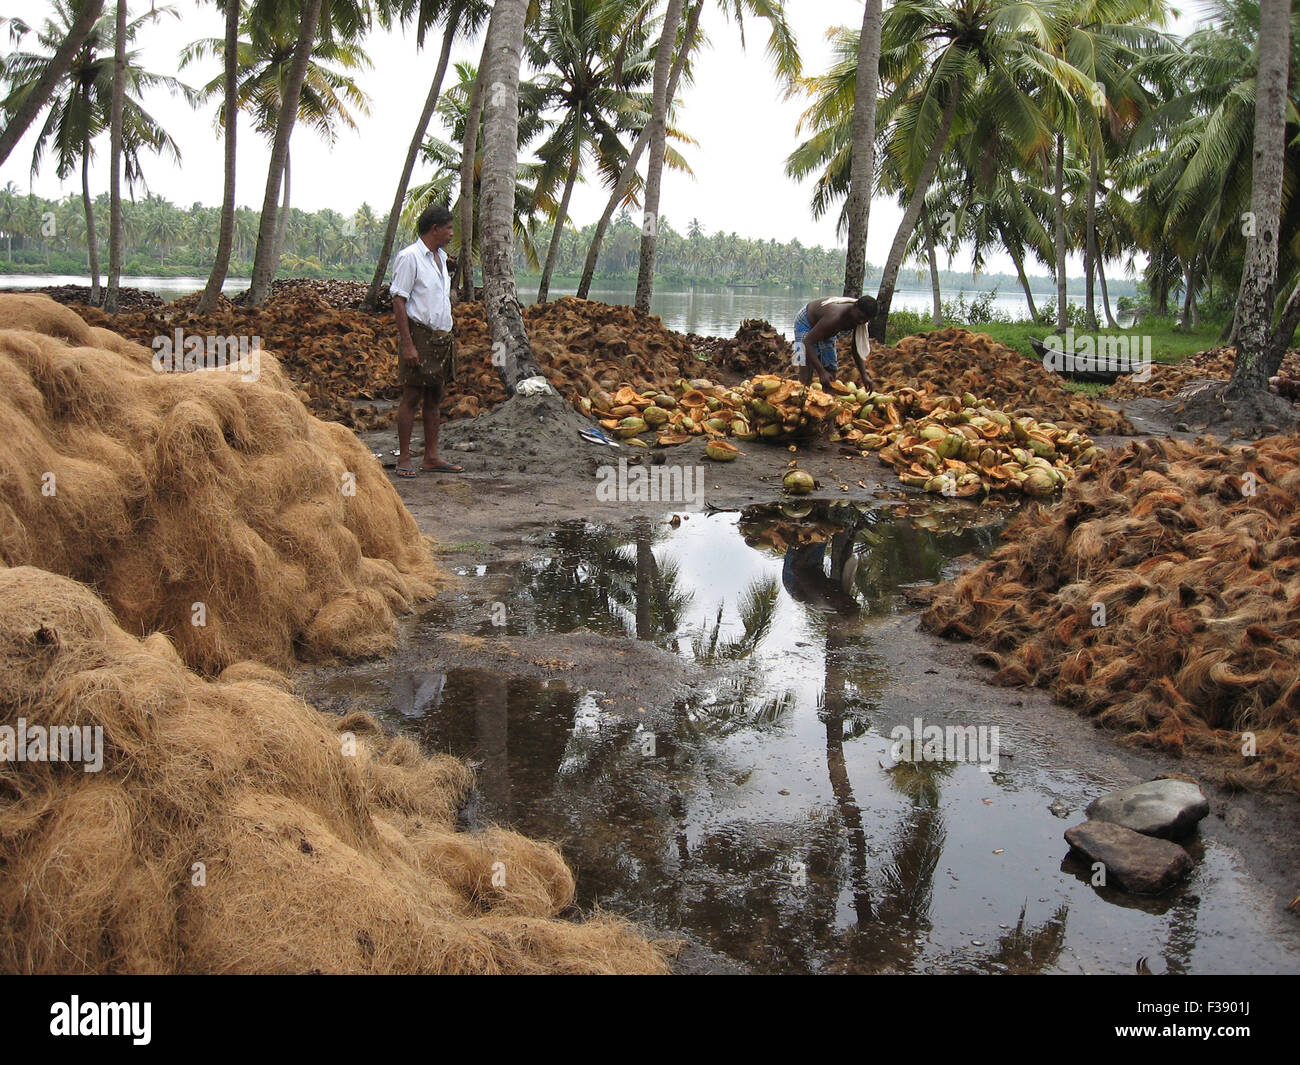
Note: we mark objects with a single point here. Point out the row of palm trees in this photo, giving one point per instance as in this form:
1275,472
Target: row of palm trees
1008,125
1034,126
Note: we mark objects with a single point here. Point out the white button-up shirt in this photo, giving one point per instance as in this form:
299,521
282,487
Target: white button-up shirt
420,277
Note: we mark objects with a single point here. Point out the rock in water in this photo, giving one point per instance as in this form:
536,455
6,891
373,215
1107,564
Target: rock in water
1169,809
1134,862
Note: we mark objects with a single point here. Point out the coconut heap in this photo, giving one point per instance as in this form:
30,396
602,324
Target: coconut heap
1161,597
957,361
160,532
961,446
766,407
957,446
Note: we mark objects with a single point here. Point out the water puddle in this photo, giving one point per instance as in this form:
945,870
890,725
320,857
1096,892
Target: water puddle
767,813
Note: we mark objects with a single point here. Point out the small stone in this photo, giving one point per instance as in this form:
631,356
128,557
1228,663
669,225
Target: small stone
1137,863
1059,809
1166,808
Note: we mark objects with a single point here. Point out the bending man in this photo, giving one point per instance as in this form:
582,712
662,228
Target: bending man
816,328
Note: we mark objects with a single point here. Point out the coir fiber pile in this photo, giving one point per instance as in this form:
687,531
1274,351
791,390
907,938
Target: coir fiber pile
1162,597
213,509
234,829
957,361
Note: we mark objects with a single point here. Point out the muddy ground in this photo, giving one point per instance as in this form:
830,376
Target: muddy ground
520,481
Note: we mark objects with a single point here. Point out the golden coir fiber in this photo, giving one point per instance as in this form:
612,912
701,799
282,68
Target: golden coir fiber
214,509
1162,596
234,829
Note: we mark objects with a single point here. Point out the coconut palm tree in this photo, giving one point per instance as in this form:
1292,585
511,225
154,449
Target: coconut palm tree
863,151
80,106
325,95
38,92
783,51
458,18
115,158
500,155
229,115
593,54
1256,346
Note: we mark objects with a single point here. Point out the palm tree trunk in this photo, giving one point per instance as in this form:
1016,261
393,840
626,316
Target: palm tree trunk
281,221
1285,330
553,253
1062,317
115,156
937,313
645,281
1250,371
1017,256
1105,293
92,245
468,155
863,159
634,157
55,72
1090,245
1188,289
500,158
226,238
264,263
412,150
895,260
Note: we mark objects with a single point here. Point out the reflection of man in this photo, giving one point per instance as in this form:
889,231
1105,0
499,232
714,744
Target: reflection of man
426,348
816,327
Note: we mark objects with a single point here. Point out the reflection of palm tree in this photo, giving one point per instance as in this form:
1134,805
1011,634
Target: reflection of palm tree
1031,950
606,580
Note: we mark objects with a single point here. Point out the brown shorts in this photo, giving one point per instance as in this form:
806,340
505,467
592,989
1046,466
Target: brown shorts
437,365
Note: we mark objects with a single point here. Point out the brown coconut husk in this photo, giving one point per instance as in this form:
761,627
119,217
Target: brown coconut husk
1200,580
167,490
234,829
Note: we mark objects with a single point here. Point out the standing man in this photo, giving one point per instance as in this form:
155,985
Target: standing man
426,348
816,327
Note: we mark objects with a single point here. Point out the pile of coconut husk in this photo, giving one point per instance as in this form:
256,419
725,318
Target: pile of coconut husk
757,348
1168,380
128,299
327,292
210,505
1161,597
345,361
231,828
955,361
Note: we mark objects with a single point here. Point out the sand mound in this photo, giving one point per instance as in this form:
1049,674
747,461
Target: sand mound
1163,597
213,509
232,828
957,361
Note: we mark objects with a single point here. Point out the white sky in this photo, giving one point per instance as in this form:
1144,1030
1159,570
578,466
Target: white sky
744,126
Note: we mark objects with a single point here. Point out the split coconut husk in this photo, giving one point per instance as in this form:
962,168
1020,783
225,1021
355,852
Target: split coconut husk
1162,597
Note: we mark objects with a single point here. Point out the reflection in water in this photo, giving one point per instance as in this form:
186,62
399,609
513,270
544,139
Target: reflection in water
767,819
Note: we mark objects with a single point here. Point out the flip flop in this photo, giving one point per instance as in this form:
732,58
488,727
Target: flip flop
443,467
406,472
596,436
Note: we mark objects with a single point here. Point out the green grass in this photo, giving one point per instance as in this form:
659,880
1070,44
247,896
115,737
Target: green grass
468,547
1168,344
